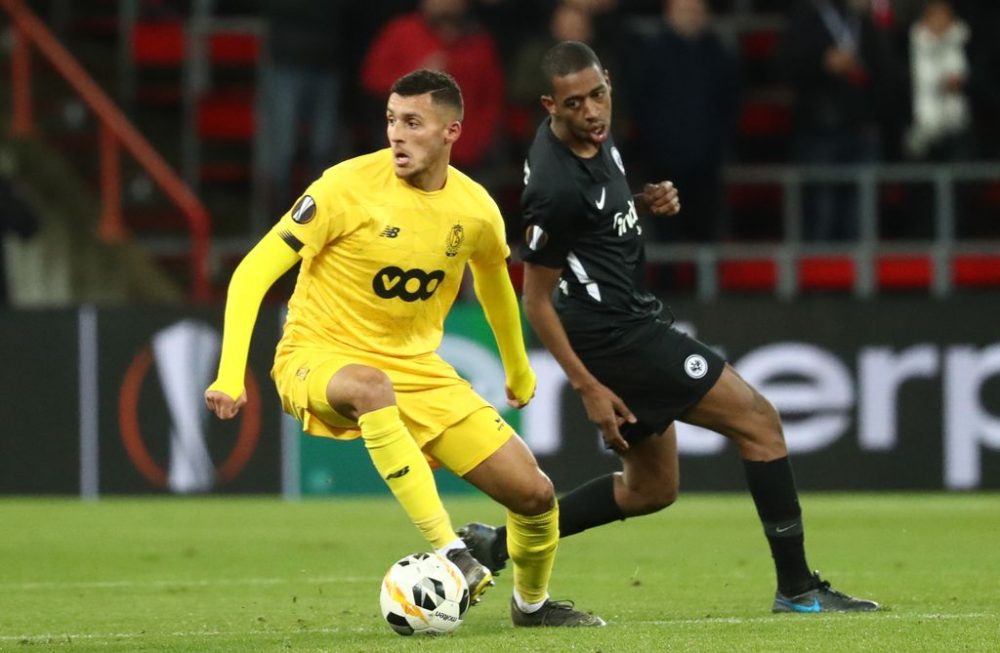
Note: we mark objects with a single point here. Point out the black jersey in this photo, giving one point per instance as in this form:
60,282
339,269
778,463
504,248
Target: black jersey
580,217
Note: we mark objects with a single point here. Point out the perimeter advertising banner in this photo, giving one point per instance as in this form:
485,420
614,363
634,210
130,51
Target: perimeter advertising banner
39,396
155,433
109,401
901,393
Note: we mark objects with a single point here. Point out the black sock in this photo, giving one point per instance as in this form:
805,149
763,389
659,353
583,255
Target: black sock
591,504
773,489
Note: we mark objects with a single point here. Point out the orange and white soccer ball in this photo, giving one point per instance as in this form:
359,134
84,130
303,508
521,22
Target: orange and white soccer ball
424,593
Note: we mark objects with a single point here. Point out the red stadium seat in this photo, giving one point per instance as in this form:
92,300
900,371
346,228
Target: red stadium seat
981,271
234,48
159,43
759,44
904,272
228,116
761,274
826,273
765,118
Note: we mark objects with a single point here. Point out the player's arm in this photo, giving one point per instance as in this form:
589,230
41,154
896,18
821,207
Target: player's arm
499,301
604,407
658,199
257,272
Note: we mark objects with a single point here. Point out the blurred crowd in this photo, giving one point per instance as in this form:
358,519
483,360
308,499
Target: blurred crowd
866,81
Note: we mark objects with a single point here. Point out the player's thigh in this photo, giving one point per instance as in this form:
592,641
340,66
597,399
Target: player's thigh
484,450
735,409
302,378
463,446
318,392
650,467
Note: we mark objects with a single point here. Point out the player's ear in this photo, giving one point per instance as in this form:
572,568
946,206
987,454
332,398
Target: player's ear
607,78
452,131
549,104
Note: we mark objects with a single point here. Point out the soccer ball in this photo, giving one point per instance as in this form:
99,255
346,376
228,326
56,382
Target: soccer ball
424,593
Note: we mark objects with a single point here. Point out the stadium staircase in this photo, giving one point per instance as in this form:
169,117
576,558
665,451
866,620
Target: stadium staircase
67,262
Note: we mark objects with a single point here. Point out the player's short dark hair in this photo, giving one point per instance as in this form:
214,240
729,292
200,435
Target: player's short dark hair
442,87
566,58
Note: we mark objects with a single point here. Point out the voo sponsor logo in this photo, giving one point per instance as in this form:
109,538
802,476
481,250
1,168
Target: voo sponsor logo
409,285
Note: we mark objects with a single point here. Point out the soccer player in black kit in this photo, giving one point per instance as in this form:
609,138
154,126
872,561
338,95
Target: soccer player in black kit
584,296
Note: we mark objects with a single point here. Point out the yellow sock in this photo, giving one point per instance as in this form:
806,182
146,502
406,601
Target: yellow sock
532,542
403,467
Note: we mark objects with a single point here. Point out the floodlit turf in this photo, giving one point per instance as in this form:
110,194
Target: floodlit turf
262,575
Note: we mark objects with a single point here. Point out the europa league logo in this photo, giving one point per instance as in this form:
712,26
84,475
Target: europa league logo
185,355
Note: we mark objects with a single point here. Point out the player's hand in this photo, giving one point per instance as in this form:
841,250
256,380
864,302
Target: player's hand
661,198
521,390
608,411
224,406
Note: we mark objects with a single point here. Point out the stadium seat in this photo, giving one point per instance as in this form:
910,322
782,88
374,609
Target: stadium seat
904,272
234,48
826,273
156,60
978,271
748,275
764,129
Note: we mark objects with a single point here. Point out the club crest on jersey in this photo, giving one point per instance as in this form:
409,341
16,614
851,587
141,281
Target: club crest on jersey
455,239
696,366
617,156
535,237
305,210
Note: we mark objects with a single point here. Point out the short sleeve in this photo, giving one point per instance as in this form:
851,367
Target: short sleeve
548,215
314,220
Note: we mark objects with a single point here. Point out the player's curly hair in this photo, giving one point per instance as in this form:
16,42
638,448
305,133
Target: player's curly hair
442,87
566,58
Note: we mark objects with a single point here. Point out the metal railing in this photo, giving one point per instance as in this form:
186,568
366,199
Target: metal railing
787,253
116,132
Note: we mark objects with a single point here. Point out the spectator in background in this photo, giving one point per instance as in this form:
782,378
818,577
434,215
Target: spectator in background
570,21
939,70
840,67
442,35
683,92
301,86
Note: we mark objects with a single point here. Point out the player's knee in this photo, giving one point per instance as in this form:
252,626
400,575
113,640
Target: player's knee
768,417
535,498
360,389
655,498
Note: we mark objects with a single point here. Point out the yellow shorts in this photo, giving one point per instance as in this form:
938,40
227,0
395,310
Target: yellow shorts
450,422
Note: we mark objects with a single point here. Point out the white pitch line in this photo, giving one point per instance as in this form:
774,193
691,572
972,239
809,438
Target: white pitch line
102,584
55,637
786,619
47,637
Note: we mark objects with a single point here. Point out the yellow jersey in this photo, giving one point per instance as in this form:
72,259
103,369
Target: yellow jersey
382,261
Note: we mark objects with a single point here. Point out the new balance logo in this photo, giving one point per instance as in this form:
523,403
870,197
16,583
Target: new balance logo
399,473
390,232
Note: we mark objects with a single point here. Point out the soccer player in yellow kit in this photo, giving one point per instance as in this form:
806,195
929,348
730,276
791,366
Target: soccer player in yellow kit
384,239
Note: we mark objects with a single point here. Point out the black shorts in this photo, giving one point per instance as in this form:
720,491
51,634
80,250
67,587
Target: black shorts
658,371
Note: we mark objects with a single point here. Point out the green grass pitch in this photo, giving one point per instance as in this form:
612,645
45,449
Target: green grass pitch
257,574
